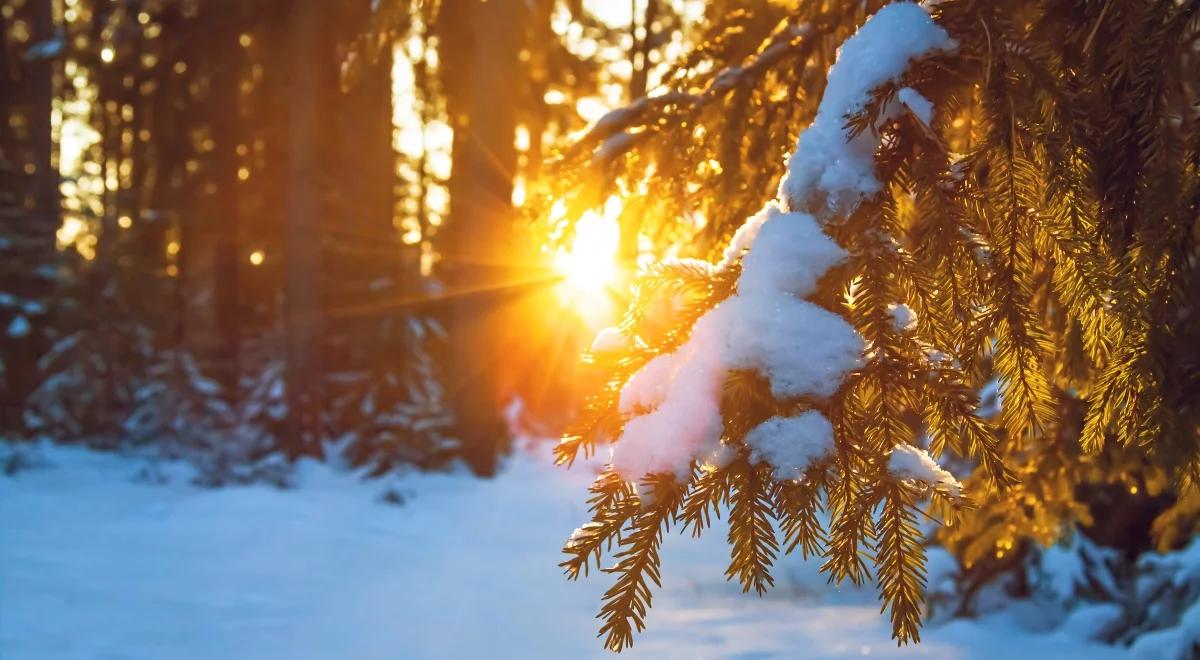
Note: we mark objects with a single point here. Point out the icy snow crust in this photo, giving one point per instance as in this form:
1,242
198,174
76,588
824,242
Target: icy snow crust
801,349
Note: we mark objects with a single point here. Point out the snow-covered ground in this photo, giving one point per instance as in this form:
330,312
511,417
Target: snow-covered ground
95,563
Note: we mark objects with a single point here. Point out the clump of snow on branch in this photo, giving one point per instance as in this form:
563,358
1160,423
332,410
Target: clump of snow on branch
800,348
767,326
903,317
791,444
683,391
1166,585
581,533
744,236
908,462
790,254
920,106
828,173
1065,570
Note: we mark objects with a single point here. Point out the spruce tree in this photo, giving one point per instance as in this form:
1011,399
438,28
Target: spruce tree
1012,200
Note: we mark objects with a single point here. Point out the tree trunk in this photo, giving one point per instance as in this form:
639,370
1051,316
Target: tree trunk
642,45
302,249
363,248
31,186
226,123
484,70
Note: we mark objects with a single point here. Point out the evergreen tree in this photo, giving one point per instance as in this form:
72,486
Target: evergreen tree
1013,200
160,319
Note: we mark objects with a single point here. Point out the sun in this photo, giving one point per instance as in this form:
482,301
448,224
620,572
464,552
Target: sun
589,266
584,272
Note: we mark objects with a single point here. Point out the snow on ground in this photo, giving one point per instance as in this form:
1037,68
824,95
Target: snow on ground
96,564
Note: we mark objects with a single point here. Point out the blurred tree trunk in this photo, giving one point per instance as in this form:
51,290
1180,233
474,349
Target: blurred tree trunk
43,177
223,193
643,43
30,184
364,262
209,237
482,46
366,162
302,247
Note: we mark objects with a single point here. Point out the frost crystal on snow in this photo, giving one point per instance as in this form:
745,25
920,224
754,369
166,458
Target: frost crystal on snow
791,444
767,325
829,173
914,463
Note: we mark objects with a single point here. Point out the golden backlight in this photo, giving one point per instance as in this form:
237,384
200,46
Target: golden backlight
590,265
589,269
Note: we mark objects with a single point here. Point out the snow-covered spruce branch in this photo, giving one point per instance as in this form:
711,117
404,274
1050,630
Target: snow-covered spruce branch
767,325
782,360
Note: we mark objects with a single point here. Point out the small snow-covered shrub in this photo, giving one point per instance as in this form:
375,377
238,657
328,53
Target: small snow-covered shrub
1165,622
179,412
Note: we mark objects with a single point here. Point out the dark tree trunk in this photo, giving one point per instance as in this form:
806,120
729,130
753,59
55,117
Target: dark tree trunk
363,244
484,84
31,208
226,121
44,181
302,248
207,205
642,45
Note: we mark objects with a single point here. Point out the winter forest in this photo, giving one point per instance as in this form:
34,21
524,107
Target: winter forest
565,328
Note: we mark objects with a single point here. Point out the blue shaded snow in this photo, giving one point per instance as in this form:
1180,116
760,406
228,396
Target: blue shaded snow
96,561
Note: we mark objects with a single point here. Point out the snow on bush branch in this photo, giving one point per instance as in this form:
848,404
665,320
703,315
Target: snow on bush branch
801,349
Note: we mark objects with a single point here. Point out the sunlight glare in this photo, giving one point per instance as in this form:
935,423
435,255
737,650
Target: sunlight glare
590,264
612,14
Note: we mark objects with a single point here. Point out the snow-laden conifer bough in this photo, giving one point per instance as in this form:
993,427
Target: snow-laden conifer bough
768,326
673,428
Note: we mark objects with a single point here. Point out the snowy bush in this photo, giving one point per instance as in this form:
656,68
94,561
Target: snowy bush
1165,622
89,382
181,413
393,410
1085,591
